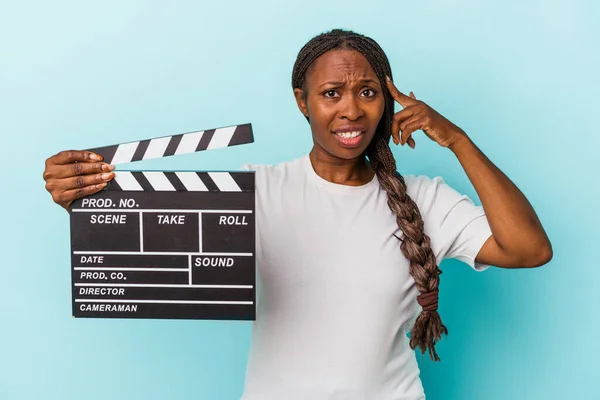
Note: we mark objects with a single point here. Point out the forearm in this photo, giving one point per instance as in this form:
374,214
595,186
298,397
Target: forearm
513,221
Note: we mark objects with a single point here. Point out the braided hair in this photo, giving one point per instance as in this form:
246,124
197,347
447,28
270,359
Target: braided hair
415,246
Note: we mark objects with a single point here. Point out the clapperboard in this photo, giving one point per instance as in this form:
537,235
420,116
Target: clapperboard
158,244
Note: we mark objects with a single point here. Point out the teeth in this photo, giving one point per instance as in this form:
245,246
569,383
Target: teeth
349,135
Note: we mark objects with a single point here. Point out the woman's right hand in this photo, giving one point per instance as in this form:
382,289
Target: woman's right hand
72,174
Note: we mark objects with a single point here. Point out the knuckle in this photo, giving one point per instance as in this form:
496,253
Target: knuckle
77,169
79,182
47,174
56,197
50,186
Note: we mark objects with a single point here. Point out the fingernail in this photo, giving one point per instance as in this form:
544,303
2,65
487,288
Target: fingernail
108,167
105,176
100,185
95,157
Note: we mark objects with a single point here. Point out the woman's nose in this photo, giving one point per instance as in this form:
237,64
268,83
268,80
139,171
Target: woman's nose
350,108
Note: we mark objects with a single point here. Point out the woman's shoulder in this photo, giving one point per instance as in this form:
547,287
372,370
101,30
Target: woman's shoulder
284,173
279,167
432,192
416,182
427,190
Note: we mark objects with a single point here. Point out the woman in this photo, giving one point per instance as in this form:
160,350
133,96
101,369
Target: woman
345,243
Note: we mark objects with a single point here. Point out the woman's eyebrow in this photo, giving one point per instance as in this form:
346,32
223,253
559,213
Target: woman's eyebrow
340,84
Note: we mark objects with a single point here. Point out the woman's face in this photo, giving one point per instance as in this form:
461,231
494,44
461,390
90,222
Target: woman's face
344,102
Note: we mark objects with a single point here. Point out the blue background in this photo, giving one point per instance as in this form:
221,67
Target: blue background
521,78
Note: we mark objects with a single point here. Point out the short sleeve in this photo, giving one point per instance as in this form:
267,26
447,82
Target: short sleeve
456,226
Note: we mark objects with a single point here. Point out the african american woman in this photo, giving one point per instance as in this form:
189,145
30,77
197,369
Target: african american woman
348,248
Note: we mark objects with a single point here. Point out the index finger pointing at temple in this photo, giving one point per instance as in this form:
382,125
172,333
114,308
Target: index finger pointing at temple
71,156
400,97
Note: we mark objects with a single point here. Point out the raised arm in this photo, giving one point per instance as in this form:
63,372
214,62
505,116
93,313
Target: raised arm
518,238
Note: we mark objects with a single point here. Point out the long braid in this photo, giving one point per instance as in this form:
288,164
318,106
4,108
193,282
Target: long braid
415,246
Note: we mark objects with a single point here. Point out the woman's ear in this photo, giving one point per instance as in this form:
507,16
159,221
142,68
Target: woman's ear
301,101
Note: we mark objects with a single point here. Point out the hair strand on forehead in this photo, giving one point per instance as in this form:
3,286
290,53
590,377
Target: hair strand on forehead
415,245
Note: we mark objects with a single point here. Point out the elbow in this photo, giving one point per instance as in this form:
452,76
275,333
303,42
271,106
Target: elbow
542,256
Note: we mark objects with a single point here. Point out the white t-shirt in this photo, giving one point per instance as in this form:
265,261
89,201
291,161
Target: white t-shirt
335,298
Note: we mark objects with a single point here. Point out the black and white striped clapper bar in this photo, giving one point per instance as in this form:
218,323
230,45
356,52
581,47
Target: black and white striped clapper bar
157,244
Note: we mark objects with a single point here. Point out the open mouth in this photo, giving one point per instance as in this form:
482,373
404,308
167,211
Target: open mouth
349,139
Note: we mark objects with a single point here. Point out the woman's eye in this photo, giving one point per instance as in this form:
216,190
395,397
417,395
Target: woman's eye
330,93
368,92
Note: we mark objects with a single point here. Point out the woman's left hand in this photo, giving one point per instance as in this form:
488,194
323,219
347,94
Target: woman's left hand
418,115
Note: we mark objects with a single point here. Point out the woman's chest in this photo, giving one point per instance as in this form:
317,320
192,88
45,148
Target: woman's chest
332,243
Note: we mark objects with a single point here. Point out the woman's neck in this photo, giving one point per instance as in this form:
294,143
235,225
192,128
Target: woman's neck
352,172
